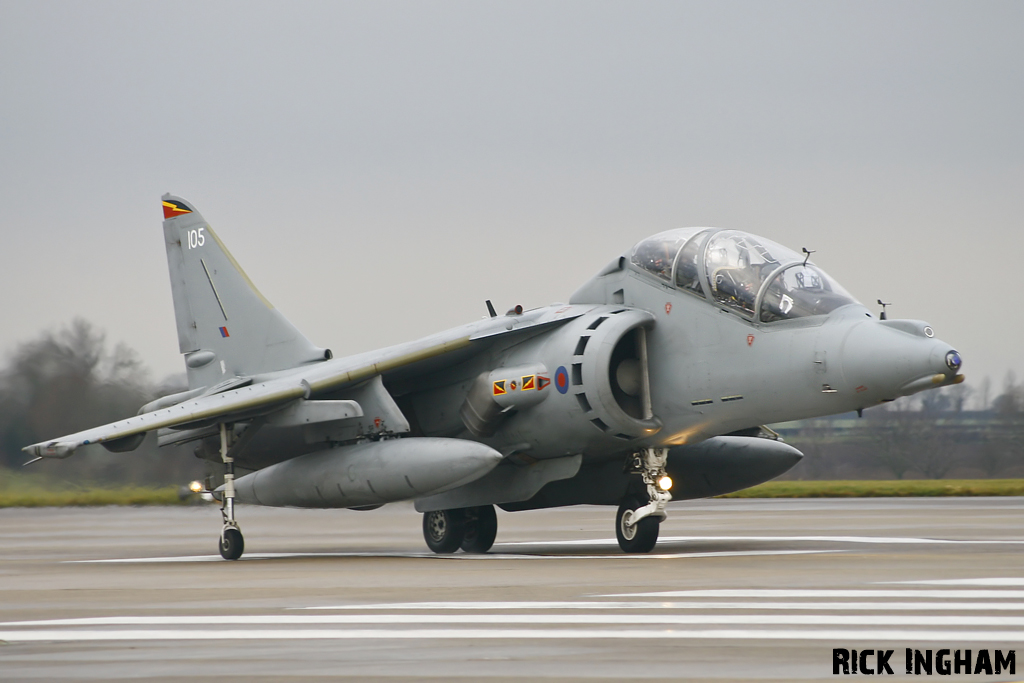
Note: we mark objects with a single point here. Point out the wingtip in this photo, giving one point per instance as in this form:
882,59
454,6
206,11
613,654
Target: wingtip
51,449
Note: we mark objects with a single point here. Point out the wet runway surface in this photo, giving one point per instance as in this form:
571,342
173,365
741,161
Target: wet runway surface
735,590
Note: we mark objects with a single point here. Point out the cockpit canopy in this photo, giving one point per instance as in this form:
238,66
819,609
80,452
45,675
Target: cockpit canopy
754,277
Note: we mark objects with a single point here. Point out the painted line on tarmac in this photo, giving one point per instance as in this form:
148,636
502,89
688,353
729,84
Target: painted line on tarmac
459,556
962,582
883,540
923,620
837,635
662,605
815,593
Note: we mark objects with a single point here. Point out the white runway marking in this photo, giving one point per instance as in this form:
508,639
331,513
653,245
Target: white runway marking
539,619
881,540
812,593
456,556
962,582
584,605
837,635
794,617
884,540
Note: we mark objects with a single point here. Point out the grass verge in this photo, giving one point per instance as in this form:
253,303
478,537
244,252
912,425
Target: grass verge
875,489
128,495
27,489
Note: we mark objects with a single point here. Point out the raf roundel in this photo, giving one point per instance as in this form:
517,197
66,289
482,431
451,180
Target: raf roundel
561,379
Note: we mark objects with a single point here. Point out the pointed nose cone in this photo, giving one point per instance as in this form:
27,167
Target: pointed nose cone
893,358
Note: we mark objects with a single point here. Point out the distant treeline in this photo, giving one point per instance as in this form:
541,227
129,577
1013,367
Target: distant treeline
928,436
70,380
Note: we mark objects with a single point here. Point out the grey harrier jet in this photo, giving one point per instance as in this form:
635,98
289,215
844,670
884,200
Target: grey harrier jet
662,368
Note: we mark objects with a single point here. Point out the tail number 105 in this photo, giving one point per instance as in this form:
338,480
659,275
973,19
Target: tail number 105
196,238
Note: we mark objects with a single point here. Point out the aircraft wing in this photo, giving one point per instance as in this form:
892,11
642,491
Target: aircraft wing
274,393
243,402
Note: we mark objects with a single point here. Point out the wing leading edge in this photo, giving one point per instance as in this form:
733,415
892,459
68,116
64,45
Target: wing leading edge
246,402
273,394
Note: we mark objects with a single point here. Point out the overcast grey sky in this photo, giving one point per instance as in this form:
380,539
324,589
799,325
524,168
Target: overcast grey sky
381,168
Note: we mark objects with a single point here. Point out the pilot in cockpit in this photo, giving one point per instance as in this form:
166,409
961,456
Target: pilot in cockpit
656,257
736,281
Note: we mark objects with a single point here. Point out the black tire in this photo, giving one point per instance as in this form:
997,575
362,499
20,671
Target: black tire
642,537
443,530
481,528
232,545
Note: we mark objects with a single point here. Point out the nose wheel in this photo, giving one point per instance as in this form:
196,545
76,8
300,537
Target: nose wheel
635,537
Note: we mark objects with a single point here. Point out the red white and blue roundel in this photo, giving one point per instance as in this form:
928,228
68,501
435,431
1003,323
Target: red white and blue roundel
561,379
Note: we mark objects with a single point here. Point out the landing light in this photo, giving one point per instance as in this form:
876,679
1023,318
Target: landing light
665,483
195,487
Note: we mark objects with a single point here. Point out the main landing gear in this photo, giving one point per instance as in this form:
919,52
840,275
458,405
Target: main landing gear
231,542
472,529
636,524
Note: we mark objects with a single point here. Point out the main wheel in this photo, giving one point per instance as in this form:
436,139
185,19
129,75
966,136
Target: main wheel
639,538
231,544
481,528
443,530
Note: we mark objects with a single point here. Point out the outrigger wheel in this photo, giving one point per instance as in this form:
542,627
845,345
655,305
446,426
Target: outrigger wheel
231,543
444,530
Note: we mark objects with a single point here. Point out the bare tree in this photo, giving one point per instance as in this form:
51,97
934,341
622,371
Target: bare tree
1011,401
985,392
890,437
817,441
959,394
70,380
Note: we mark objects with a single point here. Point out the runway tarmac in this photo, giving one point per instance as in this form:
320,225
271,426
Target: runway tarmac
735,590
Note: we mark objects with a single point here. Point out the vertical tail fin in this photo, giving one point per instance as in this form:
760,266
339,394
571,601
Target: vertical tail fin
226,328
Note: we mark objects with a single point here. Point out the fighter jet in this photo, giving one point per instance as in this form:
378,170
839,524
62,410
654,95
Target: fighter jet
654,381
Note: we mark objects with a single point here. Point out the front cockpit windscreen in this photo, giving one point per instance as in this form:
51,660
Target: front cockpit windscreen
754,277
801,290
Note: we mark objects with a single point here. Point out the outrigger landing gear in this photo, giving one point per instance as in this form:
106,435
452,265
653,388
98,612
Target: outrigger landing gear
636,525
231,542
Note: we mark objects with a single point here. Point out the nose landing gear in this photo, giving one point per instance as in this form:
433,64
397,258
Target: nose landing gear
635,536
636,525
